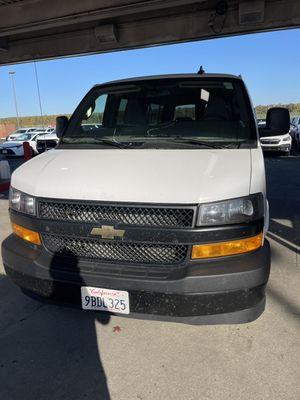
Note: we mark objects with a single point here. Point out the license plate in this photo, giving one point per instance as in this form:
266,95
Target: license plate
93,298
4,151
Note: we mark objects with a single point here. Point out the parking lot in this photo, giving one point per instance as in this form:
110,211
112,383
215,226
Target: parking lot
64,353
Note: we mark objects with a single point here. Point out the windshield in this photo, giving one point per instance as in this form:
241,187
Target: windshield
159,113
22,138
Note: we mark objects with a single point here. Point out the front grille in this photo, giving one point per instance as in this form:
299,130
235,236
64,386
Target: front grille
115,251
127,215
8,152
270,141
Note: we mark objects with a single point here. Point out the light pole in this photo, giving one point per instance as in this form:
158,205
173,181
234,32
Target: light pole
11,74
38,91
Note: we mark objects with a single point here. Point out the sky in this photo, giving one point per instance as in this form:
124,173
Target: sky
268,62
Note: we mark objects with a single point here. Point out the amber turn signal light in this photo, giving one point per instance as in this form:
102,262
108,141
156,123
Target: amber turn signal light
230,248
26,234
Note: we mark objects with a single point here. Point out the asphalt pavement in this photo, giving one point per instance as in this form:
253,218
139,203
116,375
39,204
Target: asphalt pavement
52,352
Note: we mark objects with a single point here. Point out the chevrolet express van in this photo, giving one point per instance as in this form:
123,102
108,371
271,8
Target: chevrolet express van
153,204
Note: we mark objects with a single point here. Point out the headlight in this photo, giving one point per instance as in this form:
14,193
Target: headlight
286,139
22,202
234,211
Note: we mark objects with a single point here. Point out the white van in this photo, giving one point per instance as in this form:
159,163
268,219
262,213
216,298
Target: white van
157,210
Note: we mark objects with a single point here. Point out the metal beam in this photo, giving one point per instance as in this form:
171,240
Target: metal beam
42,29
62,14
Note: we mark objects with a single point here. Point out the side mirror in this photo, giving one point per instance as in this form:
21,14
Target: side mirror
61,124
278,120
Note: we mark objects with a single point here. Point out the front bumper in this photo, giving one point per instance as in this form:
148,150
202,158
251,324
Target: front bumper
14,151
280,147
224,290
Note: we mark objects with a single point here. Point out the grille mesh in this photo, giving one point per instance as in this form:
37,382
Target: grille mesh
270,141
128,215
115,251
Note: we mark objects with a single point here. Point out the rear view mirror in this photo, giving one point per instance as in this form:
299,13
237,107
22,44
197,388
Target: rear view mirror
278,121
61,124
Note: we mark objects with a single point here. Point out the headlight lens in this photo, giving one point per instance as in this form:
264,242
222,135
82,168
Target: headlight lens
22,202
234,211
286,139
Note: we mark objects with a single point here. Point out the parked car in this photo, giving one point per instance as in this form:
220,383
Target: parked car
20,131
46,142
277,143
261,123
15,147
159,211
295,129
50,129
90,127
274,139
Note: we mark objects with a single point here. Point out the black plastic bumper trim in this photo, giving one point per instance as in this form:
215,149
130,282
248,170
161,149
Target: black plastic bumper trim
223,291
150,303
222,274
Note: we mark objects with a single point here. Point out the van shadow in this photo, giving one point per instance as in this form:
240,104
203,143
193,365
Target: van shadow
49,351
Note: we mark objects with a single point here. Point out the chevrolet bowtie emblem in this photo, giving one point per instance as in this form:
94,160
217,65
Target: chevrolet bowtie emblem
107,232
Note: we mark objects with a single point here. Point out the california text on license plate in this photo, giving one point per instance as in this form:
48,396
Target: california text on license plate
93,298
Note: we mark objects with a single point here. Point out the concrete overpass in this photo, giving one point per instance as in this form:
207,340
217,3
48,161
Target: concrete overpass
41,29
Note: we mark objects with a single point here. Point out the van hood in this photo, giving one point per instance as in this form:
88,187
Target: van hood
139,176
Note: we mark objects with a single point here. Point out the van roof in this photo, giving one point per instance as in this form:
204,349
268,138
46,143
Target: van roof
170,76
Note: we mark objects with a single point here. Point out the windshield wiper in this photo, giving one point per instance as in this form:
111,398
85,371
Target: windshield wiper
108,142
160,127
182,139
189,140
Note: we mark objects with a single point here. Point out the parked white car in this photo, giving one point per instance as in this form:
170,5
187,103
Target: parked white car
272,138
50,129
20,131
261,123
45,130
279,143
46,142
15,147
